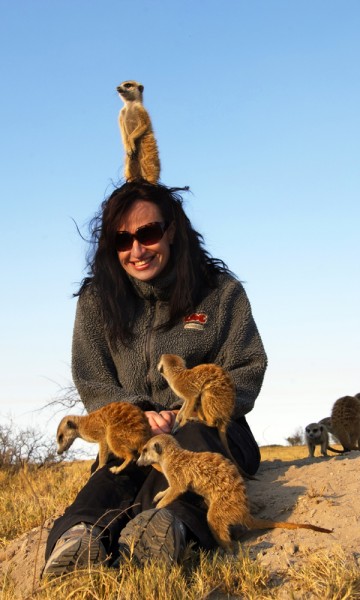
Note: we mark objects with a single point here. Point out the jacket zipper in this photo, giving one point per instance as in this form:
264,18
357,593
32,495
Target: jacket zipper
149,335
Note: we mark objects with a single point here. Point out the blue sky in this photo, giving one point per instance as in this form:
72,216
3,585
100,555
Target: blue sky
255,105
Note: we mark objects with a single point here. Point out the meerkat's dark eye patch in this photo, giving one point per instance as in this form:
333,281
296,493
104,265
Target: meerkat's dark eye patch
128,85
157,448
60,438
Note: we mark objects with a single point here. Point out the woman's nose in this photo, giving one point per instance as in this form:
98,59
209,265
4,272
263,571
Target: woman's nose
137,249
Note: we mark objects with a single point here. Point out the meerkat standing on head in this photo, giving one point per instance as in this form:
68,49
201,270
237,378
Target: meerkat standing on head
208,395
316,434
142,156
119,427
345,421
213,477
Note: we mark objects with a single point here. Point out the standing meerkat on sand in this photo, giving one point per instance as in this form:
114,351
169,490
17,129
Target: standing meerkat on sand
345,421
207,391
141,151
316,434
213,477
119,427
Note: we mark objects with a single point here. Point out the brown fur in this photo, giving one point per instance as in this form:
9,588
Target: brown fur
208,395
142,157
119,427
327,422
207,391
213,477
345,421
316,434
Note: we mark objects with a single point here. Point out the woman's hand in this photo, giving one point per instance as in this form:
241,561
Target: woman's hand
161,422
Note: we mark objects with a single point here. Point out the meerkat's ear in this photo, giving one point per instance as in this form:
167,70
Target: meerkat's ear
141,88
71,424
158,448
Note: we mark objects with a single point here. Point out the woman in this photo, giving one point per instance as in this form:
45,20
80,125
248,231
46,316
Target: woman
152,289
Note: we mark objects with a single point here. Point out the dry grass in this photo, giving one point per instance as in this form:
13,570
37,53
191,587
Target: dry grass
210,576
41,494
284,453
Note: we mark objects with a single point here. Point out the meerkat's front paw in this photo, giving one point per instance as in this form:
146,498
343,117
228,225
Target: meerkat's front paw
162,503
159,495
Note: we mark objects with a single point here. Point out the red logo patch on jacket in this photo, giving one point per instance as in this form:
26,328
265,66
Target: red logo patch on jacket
195,321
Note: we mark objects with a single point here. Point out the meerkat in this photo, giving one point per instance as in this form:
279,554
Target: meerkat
207,391
345,422
316,434
119,427
327,422
141,151
216,479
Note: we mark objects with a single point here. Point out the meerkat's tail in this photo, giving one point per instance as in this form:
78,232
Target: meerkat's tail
337,451
265,524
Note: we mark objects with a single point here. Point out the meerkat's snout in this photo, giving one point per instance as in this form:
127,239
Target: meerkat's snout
60,441
67,432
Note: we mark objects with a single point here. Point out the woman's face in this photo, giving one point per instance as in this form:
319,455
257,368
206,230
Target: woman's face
145,262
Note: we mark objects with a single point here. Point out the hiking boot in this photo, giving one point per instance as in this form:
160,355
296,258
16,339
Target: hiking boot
77,548
153,534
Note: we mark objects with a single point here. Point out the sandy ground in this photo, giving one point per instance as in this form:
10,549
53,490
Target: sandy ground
321,491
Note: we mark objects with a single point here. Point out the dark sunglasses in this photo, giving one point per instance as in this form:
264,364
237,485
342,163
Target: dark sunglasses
146,236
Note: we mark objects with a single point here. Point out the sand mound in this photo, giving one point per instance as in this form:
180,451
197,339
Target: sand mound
322,491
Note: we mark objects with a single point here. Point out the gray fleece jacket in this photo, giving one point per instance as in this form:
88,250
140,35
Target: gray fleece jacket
221,330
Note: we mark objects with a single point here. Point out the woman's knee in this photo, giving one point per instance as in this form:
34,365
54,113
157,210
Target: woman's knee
198,437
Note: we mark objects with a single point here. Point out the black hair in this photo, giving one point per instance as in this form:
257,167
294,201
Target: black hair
195,269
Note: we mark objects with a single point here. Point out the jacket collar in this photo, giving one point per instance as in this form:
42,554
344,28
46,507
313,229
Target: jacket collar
158,288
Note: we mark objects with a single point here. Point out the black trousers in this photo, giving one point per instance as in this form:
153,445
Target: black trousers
110,501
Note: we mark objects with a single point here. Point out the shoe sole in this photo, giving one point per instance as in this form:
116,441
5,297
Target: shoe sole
153,534
75,553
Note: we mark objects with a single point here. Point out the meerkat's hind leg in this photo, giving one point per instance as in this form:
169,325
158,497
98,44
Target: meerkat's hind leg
345,440
220,530
186,411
